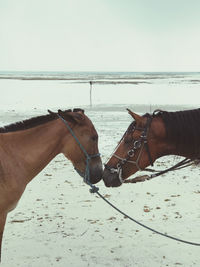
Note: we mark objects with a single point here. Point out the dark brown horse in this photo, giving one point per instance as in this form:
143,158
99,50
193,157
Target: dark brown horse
27,147
150,137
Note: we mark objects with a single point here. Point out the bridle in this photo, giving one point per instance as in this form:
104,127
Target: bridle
140,143
86,174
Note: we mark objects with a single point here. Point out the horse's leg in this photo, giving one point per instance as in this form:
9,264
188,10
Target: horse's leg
2,224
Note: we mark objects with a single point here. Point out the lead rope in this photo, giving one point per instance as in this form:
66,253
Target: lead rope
145,226
95,189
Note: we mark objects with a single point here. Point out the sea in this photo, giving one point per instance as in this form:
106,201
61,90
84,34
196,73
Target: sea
25,90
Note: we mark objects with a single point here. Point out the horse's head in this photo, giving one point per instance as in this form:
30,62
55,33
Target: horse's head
86,134
138,148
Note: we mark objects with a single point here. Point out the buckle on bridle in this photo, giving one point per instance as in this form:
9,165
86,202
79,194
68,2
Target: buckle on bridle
131,153
137,144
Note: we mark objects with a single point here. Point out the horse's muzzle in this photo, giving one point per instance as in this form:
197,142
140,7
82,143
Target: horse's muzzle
96,173
111,179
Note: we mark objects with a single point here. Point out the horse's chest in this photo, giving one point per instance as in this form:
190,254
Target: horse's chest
9,197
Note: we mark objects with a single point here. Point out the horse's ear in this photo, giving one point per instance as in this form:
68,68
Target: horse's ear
71,116
75,116
136,117
50,112
78,109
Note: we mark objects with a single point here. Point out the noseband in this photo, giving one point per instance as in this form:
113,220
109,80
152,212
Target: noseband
137,144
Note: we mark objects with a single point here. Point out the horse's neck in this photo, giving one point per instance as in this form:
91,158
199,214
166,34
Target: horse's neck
162,146
29,151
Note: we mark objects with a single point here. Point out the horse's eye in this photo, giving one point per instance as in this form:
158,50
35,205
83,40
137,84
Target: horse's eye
94,138
127,140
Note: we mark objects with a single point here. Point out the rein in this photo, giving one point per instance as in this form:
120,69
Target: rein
182,164
94,189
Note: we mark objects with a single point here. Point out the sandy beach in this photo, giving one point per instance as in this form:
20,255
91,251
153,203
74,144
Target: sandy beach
59,223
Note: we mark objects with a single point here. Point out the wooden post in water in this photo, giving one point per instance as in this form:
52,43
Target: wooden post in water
90,93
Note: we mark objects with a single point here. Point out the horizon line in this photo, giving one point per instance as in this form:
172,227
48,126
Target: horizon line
103,71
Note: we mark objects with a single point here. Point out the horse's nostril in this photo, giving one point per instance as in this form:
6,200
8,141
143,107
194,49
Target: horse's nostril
107,178
104,177
110,179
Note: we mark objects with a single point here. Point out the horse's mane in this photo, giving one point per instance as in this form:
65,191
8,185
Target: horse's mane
183,130
34,121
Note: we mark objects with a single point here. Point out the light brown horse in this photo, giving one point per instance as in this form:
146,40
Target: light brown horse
27,147
152,136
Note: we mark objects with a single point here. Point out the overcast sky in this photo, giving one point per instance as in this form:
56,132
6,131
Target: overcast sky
100,35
